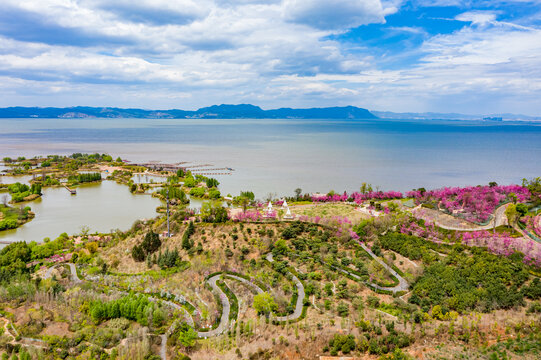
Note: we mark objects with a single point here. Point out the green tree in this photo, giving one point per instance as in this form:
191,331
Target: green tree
186,242
522,209
151,243
264,303
187,336
280,247
512,214
137,253
211,182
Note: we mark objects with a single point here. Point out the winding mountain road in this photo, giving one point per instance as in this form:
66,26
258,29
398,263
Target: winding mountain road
300,297
402,283
74,277
226,309
499,218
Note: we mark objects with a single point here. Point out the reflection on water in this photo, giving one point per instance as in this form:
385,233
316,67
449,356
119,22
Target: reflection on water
101,207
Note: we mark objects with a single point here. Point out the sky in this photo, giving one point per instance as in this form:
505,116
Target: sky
465,56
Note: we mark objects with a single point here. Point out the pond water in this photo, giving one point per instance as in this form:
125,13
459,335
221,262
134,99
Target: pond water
24,179
101,207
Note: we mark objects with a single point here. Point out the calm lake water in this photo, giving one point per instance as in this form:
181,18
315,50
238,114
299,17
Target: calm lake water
277,156
101,207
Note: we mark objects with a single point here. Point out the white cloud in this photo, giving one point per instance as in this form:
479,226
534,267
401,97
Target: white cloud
477,17
334,14
190,53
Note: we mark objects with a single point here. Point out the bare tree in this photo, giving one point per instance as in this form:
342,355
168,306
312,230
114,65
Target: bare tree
270,196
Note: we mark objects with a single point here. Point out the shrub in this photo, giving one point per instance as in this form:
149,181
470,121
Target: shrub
342,309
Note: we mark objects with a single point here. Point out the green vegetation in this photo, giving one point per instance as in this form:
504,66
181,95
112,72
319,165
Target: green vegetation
11,218
150,244
132,307
197,192
166,260
21,192
264,303
187,243
175,193
479,280
409,246
213,212
84,178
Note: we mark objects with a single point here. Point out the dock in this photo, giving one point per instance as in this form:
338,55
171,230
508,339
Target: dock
197,169
212,169
210,173
72,191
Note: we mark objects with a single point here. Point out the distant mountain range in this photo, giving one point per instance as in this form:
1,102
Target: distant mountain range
452,116
243,111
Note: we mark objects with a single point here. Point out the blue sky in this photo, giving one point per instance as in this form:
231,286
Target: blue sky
477,57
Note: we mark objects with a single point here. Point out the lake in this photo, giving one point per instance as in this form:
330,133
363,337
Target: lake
317,155
101,207
277,156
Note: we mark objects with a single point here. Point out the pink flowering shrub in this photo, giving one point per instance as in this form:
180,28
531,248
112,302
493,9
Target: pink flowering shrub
503,244
427,232
533,224
473,203
376,195
499,243
250,215
357,197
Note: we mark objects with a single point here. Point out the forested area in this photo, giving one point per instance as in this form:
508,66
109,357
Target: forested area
474,280
132,307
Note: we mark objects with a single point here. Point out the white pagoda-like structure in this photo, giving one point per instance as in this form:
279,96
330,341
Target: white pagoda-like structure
269,212
288,215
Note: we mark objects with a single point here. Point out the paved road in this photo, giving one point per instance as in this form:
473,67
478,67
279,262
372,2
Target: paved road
402,283
300,298
246,282
73,272
226,308
24,341
499,217
163,347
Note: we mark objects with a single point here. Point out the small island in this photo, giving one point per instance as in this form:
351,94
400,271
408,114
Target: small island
12,218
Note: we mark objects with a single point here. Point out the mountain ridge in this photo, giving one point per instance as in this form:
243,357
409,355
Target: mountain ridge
223,111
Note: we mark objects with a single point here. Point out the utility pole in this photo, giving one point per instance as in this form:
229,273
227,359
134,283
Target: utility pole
168,228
